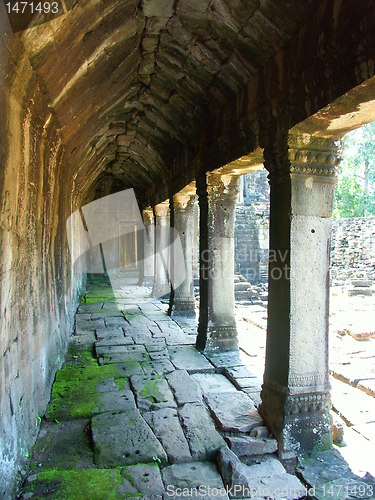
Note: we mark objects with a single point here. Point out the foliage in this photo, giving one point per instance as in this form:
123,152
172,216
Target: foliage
355,193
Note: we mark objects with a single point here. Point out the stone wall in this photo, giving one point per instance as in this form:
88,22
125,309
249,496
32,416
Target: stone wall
353,249
251,229
38,290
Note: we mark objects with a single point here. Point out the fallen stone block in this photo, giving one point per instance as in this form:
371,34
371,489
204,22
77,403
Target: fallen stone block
266,478
233,412
247,446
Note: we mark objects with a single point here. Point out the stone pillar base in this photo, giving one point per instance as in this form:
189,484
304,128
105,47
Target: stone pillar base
301,422
183,307
217,338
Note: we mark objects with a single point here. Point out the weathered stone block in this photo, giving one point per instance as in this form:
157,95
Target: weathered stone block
124,438
233,411
247,446
184,387
200,432
166,427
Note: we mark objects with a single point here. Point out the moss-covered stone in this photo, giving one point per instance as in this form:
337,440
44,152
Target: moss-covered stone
86,484
63,445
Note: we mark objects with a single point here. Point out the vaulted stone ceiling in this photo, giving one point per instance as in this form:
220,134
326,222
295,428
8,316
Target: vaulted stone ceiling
133,82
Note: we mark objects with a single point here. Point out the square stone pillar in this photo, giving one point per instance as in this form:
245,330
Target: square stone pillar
217,201
149,246
161,285
296,389
184,302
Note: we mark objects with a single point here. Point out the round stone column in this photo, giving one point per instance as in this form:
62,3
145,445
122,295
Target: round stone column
149,246
217,201
184,302
296,389
161,285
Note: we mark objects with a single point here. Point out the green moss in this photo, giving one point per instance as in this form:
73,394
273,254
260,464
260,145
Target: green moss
151,391
94,300
121,383
324,444
94,372
85,484
80,356
72,408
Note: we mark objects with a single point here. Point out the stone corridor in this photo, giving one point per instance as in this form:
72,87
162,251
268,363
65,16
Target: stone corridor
125,129
137,412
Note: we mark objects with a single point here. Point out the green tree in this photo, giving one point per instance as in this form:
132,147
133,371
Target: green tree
355,193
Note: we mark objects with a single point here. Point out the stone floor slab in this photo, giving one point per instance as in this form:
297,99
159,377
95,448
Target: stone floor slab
113,341
330,477
146,479
167,428
123,357
107,333
64,445
251,384
225,360
115,321
233,412
234,372
96,484
87,405
152,392
161,367
123,348
188,358
186,479
254,396
354,406
184,387
200,432
123,439
366,430
213,383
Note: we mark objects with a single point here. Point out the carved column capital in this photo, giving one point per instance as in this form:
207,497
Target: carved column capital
223,188
303,154
162,211
183,202
313,155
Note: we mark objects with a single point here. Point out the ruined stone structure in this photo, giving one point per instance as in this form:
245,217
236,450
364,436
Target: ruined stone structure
252,227
353,249
152,96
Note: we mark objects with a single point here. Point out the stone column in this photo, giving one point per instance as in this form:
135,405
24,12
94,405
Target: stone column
296,389
184,303
149,246
161,278
217,200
